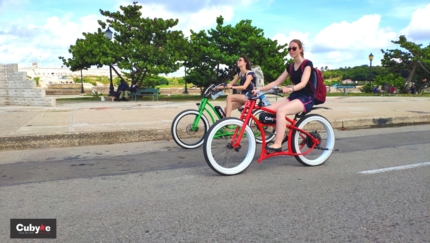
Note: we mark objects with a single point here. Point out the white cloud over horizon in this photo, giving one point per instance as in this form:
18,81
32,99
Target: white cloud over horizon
418,29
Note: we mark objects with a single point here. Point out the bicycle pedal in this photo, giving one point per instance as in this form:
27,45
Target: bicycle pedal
273,152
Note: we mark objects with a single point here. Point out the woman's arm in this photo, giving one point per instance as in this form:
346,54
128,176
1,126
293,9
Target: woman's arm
230,85
277,82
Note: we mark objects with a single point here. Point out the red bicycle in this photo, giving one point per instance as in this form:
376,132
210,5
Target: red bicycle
230,144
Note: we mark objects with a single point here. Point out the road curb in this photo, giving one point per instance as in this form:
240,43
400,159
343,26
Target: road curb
82,139
130,136
380,122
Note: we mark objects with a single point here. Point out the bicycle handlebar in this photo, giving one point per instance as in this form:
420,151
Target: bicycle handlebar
221,84
273,91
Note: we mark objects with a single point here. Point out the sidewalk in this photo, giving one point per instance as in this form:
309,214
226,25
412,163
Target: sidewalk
92,123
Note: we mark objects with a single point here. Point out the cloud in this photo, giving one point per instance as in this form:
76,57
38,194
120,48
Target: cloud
193,6
8,5
303,37
202,19
25,43
350,42
419,28
344,42
363,34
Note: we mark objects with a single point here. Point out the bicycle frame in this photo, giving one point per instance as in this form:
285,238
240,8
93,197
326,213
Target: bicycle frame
202,108
247,115
204,102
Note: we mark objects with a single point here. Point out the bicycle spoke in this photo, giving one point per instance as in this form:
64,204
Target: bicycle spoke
222,154
187,130
316,144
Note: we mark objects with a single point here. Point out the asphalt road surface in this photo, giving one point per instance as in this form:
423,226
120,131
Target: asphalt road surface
375,188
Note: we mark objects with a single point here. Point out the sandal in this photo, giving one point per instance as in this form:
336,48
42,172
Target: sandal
273,150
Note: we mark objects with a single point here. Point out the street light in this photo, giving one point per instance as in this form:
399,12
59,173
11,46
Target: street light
185,80
108,34
82,84
371,59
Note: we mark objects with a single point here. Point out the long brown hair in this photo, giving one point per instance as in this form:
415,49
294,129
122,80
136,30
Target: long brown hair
248,62
300,44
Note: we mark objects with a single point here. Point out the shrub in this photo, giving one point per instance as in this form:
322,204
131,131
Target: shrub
37,79
96,94
367,88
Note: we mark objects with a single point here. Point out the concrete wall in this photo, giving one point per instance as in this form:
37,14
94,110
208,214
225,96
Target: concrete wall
68,89
16,89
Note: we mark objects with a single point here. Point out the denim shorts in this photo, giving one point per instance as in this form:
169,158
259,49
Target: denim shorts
307,101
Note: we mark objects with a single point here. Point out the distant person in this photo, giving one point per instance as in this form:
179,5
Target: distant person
376,90
121,88
126,93
413,89
393,90
134,87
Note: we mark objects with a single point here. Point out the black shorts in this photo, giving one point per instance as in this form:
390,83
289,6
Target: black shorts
307,101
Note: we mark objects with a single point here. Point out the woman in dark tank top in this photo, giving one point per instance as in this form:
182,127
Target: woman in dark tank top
247,83
301,95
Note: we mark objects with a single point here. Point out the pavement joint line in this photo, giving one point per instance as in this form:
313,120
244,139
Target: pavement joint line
25,122
116,120
71,128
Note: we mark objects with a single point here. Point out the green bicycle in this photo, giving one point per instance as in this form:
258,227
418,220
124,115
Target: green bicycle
190,126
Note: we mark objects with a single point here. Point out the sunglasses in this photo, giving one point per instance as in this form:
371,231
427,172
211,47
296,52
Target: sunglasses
240,60
292,48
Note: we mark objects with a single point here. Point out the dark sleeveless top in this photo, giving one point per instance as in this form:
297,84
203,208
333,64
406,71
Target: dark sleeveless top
296,77
243,80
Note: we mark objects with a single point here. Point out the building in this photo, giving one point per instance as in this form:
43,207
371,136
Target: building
62,74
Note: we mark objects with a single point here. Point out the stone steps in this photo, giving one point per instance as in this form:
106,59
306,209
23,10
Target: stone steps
16,89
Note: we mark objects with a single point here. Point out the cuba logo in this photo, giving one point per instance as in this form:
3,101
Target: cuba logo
33,228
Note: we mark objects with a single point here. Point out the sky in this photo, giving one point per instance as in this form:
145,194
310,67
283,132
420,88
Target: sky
335,33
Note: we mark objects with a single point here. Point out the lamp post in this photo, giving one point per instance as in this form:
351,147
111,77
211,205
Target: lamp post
108,34
371,59
82,84
185,80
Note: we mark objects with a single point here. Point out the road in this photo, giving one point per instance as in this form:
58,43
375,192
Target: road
158,192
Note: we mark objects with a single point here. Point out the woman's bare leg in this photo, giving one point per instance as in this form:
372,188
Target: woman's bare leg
234,101
288,108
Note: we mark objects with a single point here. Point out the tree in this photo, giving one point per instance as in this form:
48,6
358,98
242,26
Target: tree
213,54
93,50
360,73
143,47
412,59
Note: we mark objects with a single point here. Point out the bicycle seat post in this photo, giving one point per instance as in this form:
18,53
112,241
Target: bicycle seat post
247,110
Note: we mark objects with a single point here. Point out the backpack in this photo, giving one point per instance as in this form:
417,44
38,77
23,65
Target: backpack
259,75
317,83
